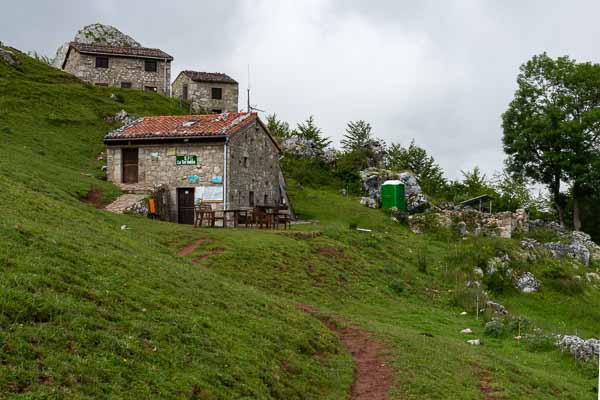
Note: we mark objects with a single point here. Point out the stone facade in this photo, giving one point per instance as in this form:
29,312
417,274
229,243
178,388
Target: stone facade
250,156
253,167
120,70
199,94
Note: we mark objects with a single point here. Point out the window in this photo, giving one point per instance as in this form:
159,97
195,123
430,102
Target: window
217,111
101,84
101,62
184,94
266,200
217,93
125,85
251,198
150,66
245,162
150,88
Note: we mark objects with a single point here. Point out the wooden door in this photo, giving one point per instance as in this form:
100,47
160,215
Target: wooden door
185,205
130,165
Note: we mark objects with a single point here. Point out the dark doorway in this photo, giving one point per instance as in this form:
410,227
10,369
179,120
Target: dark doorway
130,165
185,206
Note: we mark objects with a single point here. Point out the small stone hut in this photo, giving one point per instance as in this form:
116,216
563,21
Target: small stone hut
207,92
126,67
230,160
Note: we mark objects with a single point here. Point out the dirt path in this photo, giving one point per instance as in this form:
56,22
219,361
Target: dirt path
190,247
373,377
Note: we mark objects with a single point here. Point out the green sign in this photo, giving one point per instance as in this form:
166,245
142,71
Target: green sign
186,160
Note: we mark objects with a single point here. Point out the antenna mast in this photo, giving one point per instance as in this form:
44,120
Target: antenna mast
249,108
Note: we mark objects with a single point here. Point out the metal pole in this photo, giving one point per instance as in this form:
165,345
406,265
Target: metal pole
477,311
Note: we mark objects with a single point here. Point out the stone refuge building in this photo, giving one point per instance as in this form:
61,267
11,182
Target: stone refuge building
230,160
207,92
126,67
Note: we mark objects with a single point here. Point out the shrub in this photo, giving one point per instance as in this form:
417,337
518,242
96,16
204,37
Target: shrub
494,328
537,343
498,282
397,287
466,298
519,325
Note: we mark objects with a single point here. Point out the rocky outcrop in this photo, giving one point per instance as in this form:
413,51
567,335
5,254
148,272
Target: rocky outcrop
306,148
582,350
9,57
373,178
526,283
95,34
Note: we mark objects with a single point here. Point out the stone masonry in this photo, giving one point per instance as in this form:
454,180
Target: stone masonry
120,70
253,166
199,92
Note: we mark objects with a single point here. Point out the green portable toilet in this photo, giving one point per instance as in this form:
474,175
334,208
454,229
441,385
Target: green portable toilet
392,195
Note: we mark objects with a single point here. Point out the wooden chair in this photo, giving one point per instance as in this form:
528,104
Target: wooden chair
282,216
260,218
202,211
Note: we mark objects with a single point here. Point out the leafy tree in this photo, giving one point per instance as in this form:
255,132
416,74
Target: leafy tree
279,129
414,158
358,136
512,192
310,131
476,183
551,128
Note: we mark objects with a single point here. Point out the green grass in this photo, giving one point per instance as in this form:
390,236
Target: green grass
88,310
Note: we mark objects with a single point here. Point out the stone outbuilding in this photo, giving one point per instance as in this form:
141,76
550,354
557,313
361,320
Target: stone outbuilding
230,160
138,68
207,92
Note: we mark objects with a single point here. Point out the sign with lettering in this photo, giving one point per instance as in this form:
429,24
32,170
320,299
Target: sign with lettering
209,193
186,160
217,179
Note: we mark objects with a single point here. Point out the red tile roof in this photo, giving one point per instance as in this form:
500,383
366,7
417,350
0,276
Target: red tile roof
183,126
139,52
209,77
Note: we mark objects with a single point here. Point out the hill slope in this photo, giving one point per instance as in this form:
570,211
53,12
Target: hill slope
89,310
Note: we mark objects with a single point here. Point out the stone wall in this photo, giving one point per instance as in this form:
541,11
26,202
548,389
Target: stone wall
253,165
157,166
199,95
120,69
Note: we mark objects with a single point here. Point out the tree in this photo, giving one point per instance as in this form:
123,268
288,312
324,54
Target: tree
476,183
415,159
308,130
512,192
551,127
279,129
358,136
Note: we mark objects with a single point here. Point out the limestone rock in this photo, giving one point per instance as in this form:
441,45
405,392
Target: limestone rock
95,34
124,117
369,202
9,57
592,277
466,331
497,308
583,350
527,283
474,342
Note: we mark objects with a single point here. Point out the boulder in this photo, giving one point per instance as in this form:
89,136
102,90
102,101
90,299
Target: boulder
474,342
497,308
526,283
466,331
95,34
580,247
9,57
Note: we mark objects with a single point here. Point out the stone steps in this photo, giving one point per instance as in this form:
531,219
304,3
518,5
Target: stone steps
124,202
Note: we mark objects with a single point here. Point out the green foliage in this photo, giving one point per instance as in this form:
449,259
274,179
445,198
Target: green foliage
551,126
540,343
494,328
397,287
358,136
414,158
310,131
279,129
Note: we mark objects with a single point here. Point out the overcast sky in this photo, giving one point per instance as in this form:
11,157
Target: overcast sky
441,72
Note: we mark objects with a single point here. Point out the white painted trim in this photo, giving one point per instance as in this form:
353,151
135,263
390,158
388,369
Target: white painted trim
225,197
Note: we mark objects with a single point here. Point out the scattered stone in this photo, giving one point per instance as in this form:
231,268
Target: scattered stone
526,283
478,271
530,244
124,227
125,118
463,313
369,202
426,334
9,57
466,331
462,228
497,308
592,277
582,350
474,342
473,284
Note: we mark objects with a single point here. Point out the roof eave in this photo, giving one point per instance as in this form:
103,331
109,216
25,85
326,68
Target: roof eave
163,139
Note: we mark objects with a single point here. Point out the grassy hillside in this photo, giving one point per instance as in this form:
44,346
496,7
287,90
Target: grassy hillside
88,310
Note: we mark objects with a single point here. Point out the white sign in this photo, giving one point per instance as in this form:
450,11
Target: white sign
209,193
